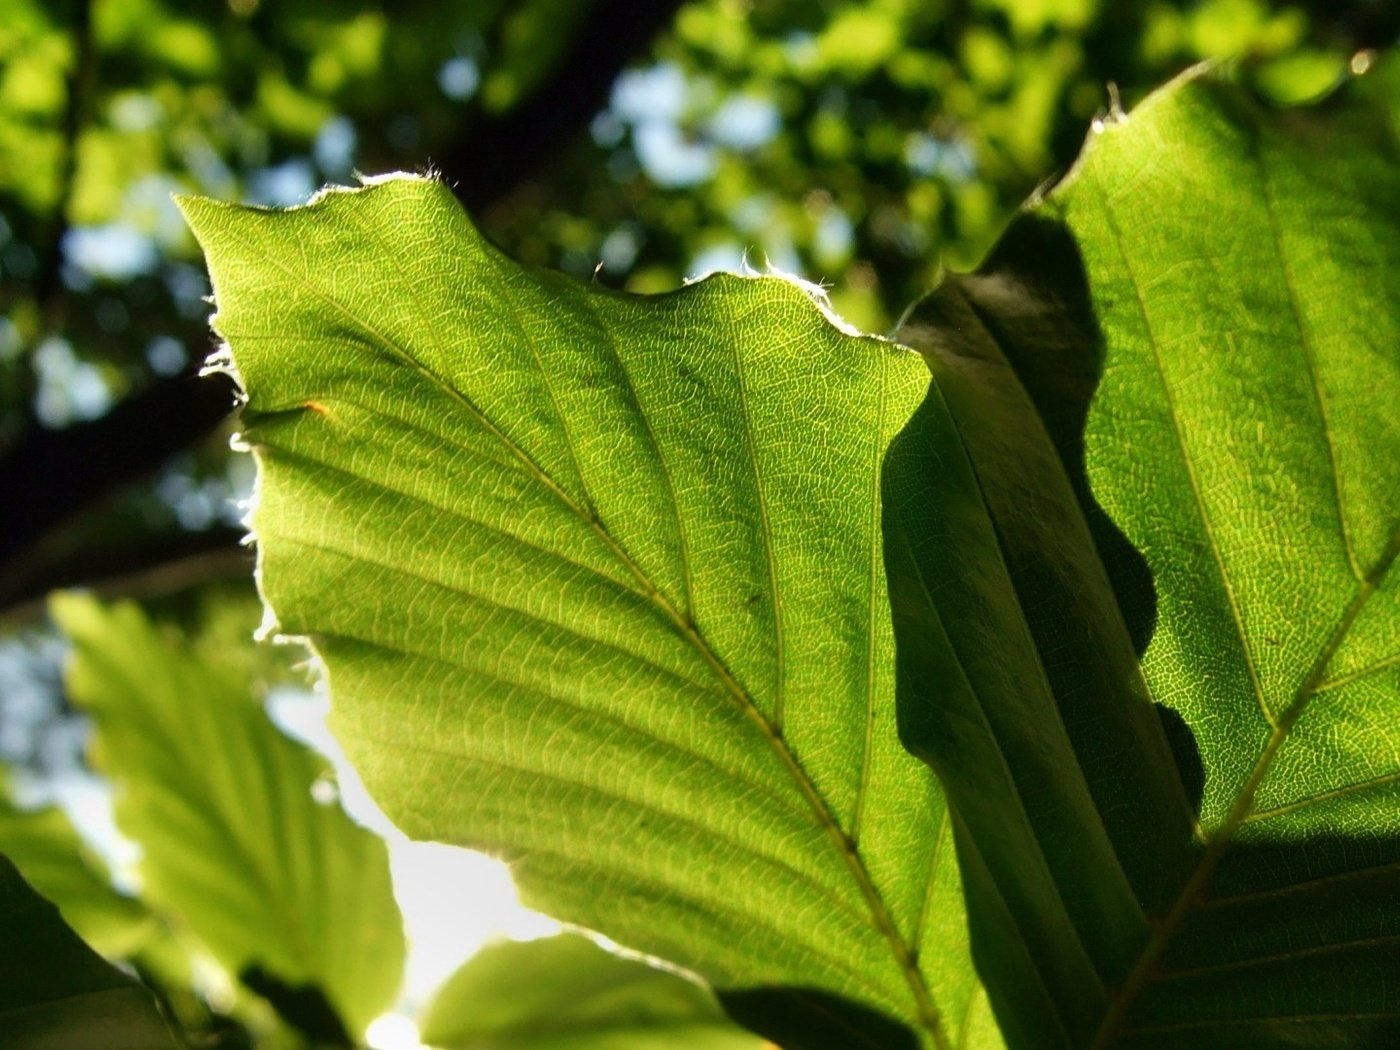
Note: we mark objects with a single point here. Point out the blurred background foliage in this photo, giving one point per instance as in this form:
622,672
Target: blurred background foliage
863,144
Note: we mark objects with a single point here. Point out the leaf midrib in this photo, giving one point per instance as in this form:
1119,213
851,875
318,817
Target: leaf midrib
1367,585
1189,897
905,957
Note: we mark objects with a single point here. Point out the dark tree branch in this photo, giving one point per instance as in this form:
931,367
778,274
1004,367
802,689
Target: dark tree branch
497,153
145,566
50,475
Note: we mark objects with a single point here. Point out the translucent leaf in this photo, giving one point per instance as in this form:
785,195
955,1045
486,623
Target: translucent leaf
597,583
567,993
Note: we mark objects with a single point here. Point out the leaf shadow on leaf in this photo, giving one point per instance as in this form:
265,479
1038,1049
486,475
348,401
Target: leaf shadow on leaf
1309,913
1061,376
811,1019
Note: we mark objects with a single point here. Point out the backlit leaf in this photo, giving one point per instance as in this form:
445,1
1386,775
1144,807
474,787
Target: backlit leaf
1233,273
284,889
597,583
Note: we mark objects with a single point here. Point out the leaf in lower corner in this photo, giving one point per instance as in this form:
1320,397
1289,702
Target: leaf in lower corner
46,848
55,991
568,993
1240,268
597,583
221,802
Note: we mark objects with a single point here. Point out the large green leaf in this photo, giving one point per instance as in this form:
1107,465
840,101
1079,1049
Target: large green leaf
285,890
597,583
56,993
1243,265
568,993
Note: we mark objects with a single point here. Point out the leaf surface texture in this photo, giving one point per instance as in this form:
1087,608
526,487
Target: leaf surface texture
598,586
1227,274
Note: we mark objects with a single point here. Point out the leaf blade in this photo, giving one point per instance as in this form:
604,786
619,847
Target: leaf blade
55,991
1239,403
567,992
629,489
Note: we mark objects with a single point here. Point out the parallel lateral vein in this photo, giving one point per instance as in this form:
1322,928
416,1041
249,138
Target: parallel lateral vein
770,731
688,604
1309,355
632,802
1189,467
761,792
1250,962
1188,899
481,599
876,609
1325,796
1269,1020
859,977
1005,764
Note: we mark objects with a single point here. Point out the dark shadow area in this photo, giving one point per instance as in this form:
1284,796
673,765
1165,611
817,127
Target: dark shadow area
1042,319
1031,297
303,1006
808,1019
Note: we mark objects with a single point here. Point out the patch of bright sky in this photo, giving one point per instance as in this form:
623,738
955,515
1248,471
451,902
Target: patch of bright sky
166,355
334,147
619,250
195,501
801,50
927,155
26,668
834,237
668,158
45,756
188,285
453,900
772,247
68,389
393,1032
654,102
458,78
213,176
745,122
135,111
654,93
724,257
150,205
291,182
117,251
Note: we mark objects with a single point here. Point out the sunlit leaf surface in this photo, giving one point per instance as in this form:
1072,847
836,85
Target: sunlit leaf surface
598,586
43,844
567,993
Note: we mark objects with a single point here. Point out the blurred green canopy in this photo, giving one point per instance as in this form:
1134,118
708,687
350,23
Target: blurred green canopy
864,145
